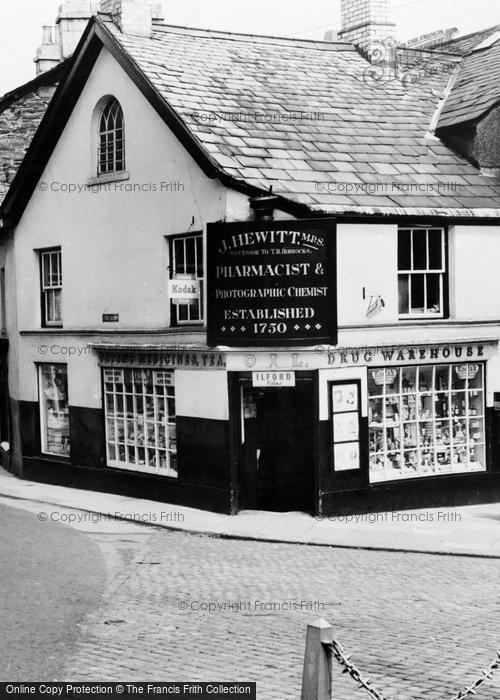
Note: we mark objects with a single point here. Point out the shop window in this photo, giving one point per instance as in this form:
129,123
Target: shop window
111,148
186,256
422,272
426,421
140,420
51,283
54,409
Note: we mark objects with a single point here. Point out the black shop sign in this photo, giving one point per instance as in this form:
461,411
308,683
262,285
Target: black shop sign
272,283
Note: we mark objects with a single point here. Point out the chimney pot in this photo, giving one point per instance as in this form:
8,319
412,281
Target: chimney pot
48,53
47,34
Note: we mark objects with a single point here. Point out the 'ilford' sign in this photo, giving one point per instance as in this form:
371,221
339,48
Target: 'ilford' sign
272,283
273,379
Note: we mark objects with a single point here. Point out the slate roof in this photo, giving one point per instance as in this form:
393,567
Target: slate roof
314,120
465,44
21,112
476,89
366,147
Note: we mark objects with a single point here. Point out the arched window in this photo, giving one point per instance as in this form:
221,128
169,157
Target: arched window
111,155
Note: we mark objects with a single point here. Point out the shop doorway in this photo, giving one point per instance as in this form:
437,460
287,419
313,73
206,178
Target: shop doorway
277,460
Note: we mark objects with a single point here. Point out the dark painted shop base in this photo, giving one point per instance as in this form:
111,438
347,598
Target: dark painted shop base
282,462
204,465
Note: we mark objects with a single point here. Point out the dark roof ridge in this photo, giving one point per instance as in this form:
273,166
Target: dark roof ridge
488,47
468,36
49,77
431,52
241,36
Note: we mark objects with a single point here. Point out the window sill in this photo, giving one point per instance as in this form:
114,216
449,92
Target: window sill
422,317
109,177
57,459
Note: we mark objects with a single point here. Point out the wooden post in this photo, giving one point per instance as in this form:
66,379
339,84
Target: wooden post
317,676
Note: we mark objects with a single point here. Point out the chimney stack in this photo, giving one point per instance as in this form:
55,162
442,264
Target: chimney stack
71,21
134,17
365,22
48,54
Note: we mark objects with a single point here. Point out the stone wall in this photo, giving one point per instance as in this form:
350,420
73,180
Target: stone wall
18,123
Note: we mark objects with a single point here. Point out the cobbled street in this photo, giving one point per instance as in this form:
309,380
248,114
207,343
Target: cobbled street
420,626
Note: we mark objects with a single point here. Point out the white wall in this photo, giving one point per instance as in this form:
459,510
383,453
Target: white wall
201,394
475,272
366,258
113,246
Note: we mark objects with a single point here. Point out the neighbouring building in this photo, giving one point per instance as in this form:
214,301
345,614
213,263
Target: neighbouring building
253,272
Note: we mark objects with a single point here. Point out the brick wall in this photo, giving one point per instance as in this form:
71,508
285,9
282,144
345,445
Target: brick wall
366,21
132,16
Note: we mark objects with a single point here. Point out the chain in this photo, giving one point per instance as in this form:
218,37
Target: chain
365,683
487,675
345,661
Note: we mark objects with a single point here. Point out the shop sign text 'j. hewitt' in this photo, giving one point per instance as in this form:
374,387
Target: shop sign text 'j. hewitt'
272,284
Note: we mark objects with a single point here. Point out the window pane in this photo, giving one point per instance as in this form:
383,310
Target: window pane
433,293
403,294
54,409
417,293
419,250
435,250
199,257
46,269
138,442
111,139
190,256
187,258
404,250
180,265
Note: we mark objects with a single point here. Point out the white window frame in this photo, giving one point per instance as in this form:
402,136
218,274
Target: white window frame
145,422
442,271
53,287
107,160
199,254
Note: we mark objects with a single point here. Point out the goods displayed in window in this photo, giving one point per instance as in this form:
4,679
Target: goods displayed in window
54,409
140,420
426,421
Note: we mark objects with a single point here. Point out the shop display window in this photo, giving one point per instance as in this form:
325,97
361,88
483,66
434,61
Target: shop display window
140,420
54,409
426,421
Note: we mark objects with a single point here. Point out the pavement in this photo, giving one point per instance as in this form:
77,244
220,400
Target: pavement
467,530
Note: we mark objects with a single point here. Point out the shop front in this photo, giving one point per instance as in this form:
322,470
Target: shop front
364,428
158,428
